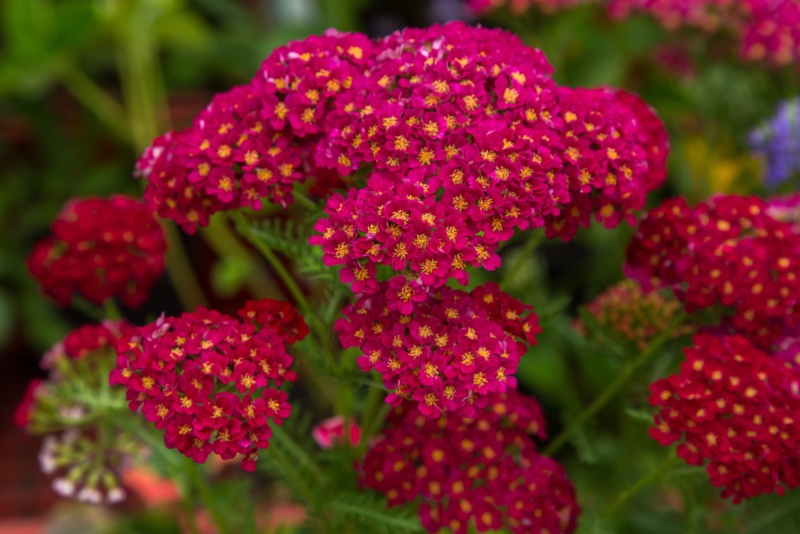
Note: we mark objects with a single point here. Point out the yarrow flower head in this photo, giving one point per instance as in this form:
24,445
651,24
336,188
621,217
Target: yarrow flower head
463,137
728,251
630,316
100,249
258,139
778,142
484,471
453,136
448,351
209,380
84,465
738,408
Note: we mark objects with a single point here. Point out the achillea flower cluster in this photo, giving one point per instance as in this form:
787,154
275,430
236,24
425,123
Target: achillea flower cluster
628,315
207,379
464,138
483,471
728,251
81,451
460,132
778,142
738,408
100,249
450,354
258,139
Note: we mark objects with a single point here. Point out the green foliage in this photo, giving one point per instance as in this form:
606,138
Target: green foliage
368,511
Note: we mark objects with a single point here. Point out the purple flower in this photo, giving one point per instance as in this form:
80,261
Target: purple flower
778,142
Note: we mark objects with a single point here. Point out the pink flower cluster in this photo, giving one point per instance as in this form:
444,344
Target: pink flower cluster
768,30
256,140
728,251
100,249
737,407
451,354
483,471
460,132
463,138
207,379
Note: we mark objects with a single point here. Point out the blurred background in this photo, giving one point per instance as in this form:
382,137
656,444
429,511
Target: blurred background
86,84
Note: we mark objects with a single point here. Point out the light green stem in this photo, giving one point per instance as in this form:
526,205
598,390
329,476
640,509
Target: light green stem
209,502
522,261
642,483
319,328
607,394
245,229
98,101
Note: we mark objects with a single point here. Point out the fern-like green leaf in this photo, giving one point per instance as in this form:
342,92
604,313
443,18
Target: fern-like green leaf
369,511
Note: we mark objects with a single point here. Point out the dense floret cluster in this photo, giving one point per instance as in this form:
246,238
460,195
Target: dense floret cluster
483,471
458,135
207,379
737,407
728,251
256,140
778,142
464,138
100,249
451,354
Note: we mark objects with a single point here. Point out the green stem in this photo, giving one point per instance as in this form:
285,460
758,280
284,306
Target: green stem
246,230
112,310
304,201
522,261
319,328
607,394
642,483
209,502
98,101
180,271
87,308
226,244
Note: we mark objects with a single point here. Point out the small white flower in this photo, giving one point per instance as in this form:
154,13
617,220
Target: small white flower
116,495
90,495
47,457
64,487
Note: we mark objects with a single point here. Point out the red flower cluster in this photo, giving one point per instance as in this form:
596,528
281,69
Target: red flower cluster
737,407
206,378
256,140
463,138
484,471
450,354
726,251
101,249
767,29
461,134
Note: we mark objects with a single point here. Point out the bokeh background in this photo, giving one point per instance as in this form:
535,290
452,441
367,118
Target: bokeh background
86,84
